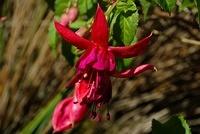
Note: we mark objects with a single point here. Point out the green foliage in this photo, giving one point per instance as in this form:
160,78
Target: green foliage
197,3
77,24
167,5
53,37
87,7
145,7
186,4
127,21
123,28
61,6
42,118
175,125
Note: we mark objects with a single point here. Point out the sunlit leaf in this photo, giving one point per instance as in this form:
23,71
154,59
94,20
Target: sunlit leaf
167,5
53,37
123,27
61,5
186,4
145,7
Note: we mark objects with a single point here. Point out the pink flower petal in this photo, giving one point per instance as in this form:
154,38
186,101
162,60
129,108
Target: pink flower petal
97,58
71,37
66,114
81,90
87,59
133,50
100,29
134,71
105,61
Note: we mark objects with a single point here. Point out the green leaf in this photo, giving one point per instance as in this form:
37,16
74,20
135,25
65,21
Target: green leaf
145,7
53,37
167,5
61,5
42,118
69,52
87,7
175,125
78,23
186,4
125,28
197,3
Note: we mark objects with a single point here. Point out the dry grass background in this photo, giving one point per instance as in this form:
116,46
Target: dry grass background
30,75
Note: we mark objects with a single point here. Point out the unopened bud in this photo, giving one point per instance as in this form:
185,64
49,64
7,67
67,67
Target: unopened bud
64,19
72,14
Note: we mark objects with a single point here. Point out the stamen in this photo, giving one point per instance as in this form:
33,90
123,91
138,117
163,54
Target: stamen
85,75
93,112
108,116
155,69
97,80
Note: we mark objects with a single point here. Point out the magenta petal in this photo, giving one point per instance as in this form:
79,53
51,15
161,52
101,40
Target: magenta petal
71,37
133,50
102,62
134,71
66,114
100,29
105,61
87,59
111,62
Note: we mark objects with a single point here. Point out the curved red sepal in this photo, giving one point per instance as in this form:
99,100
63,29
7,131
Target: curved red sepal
133,50
134,71
71,37
100,29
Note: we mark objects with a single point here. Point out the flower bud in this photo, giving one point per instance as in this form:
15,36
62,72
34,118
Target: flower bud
72,14
66,114
64,20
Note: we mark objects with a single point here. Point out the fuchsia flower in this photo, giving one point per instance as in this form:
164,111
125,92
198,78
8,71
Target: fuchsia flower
92,82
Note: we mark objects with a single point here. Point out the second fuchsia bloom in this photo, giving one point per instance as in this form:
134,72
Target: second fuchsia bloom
92,82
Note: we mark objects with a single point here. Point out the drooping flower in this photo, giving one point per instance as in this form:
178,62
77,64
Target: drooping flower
67,113
92,82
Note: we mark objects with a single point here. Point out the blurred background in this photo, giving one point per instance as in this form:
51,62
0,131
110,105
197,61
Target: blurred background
31,75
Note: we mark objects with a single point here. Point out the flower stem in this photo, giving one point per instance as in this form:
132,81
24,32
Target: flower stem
110,8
